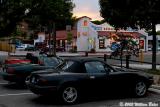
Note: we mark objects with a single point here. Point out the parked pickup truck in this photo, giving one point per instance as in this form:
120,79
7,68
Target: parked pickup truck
18,72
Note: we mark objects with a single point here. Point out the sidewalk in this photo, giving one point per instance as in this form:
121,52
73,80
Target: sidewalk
67,53
142,66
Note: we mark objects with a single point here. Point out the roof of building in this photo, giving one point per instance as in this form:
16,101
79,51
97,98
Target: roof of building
84,17
109,33
62,34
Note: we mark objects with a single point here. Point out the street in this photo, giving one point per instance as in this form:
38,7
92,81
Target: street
12,95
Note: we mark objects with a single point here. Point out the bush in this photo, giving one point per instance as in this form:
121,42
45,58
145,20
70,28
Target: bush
155,72
73,50
92,50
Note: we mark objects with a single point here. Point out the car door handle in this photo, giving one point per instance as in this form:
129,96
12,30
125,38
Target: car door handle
92,77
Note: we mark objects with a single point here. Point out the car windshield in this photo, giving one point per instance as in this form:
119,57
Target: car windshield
50,61
66,65
70,66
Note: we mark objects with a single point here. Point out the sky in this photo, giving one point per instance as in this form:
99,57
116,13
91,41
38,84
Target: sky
88,8
91,9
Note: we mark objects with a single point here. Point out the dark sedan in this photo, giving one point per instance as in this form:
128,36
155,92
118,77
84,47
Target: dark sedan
84,76
18,72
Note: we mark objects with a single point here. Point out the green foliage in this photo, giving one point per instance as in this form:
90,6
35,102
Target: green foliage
155,72
150,32
92,50
17,32
98,22
43,13
158,32
135,14
11,12
131,13
35,12
69,37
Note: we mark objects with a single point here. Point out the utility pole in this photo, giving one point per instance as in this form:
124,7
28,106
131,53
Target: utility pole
54,39
52,36
154,49
49,31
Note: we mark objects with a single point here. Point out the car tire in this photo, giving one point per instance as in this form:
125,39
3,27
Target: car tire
140,89
69,95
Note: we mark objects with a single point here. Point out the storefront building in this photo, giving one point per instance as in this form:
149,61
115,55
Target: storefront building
100,37
87,36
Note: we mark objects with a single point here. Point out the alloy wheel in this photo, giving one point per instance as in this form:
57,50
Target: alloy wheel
70,95
140,89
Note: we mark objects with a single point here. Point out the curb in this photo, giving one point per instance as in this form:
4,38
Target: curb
156,87
154,90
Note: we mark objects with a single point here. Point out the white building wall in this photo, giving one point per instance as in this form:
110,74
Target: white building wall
89,32
82,35
107,46
41,38
145,34
158,43
92,39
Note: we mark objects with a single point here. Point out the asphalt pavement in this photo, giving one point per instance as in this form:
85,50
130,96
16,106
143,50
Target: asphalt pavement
15,96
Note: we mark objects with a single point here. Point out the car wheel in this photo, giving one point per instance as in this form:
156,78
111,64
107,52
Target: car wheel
69,95
140,89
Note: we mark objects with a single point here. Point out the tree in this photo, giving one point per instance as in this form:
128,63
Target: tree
135,14
158,32
98,22
16,32
11,12
43,13
38,13
35,12
69,37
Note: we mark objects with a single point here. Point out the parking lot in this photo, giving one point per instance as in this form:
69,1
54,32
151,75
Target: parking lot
12,95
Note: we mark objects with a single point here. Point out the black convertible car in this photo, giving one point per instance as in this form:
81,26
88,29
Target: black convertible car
84,76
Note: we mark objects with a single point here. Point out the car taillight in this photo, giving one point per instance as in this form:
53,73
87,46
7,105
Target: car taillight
10,70
40,62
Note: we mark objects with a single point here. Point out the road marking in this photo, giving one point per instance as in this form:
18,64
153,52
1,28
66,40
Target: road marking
3,95
4,83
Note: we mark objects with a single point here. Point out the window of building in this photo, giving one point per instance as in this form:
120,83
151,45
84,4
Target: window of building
101,43
85,23
158,43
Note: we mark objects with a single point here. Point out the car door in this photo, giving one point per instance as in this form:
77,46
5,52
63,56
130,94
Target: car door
97,76
115,80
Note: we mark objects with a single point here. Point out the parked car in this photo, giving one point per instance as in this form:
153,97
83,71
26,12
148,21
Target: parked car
30,48
21,47
45,50
40,45
16,61
18,72
84,76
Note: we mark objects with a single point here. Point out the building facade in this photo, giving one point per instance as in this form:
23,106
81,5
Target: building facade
100,37
87,36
